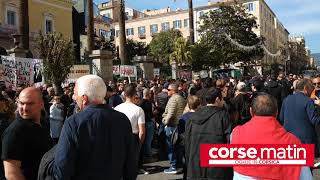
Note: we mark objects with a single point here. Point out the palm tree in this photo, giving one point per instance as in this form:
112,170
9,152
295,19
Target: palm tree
181,55
191,25
90,31
122,35
24,24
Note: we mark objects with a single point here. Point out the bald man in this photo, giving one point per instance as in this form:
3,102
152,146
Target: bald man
25,141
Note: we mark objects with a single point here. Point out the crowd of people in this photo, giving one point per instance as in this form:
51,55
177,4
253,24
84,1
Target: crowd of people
109,130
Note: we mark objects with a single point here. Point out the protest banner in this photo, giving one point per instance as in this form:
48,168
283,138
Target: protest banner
16,71
128,71
116,70
156,72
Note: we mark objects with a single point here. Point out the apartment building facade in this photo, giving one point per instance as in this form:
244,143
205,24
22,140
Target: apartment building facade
44,15
110,9
269,26
144,29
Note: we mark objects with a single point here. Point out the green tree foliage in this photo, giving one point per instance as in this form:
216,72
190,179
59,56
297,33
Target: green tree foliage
214,48
162,45
105,44
181,53
135,48
58,57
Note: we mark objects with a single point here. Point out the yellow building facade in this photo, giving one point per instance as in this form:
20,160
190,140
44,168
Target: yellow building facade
44,15
57,12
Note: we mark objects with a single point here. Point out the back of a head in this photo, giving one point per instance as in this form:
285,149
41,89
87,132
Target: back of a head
212,94
273,78
264,105
130,90
258,84
193,102
174,87
92,86
207,83
146,92
302,83
241,86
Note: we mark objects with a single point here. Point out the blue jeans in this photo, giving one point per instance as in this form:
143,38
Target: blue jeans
171,153
149,137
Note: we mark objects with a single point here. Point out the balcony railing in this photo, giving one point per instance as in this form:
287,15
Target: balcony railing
4,28
142,36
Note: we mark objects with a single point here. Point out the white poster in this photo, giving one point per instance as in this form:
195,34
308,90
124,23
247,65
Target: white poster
16,71
27,72
128,71
77,71
156,72
116,70
9,71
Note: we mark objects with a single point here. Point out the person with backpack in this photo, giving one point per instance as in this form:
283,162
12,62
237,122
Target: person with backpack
241,102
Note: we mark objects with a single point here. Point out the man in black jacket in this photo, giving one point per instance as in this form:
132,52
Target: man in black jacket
274,89
209,125
96,143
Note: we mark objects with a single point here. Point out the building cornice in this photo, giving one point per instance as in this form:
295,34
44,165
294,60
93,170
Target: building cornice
72,2
69,2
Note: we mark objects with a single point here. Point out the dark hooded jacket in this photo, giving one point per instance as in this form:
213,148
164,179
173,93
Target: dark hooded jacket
209,125
274,89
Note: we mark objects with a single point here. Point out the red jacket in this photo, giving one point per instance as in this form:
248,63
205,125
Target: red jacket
265,130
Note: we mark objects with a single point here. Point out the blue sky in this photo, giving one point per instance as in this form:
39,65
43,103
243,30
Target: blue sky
300,17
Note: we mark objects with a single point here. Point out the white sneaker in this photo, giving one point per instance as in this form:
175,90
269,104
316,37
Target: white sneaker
142,171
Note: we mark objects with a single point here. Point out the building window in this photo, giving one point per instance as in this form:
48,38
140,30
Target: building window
129,32
177,24
142,30
153,28
186,23
250,7
165,26
49,26
11,18
48,23
117,33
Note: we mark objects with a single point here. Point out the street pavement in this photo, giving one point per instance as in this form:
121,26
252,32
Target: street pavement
156,172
